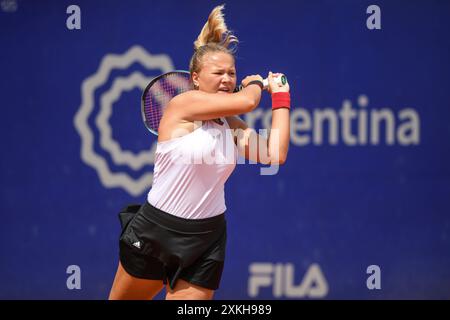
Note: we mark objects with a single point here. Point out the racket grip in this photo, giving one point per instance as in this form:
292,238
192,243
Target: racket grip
281,79
278,80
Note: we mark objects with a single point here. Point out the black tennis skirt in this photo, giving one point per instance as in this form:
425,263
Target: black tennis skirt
159,246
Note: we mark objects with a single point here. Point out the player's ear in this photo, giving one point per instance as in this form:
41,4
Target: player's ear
195,79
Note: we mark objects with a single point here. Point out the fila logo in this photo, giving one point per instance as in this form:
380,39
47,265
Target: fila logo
281,278
137,244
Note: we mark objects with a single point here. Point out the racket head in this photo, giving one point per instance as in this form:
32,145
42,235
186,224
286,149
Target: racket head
159,92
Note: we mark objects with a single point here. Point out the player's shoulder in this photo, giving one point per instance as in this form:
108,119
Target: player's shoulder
181,102
184,97
188,98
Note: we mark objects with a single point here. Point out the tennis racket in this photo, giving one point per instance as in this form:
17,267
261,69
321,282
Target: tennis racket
162,89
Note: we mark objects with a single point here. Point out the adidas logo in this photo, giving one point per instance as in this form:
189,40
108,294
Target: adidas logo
137,244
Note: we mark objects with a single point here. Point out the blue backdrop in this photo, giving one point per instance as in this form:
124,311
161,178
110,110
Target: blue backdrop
362,202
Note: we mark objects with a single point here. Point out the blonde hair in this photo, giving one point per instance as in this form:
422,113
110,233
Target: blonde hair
214,36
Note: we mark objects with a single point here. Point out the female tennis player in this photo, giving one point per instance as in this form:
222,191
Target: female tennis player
177,238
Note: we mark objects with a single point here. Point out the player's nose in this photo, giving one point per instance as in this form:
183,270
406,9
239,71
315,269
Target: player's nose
226,78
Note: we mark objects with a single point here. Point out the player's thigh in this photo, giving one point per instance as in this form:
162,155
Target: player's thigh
187,291
127,287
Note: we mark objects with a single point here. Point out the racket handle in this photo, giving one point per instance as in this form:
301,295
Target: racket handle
278,80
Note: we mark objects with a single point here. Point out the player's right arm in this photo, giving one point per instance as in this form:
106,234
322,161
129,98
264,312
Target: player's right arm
199,105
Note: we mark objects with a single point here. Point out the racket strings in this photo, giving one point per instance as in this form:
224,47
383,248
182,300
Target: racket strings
160,93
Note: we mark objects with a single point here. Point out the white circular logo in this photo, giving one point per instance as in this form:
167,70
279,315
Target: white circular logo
134,186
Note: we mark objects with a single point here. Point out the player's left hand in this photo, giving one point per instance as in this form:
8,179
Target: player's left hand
274,86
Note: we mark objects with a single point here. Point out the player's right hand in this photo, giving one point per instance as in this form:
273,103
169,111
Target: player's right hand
253,77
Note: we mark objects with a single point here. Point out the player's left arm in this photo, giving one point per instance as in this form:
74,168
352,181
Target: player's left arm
255,147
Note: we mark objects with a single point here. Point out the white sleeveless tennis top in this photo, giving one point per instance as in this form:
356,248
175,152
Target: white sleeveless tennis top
190,172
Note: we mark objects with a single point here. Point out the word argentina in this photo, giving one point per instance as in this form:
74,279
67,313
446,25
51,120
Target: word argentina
349,126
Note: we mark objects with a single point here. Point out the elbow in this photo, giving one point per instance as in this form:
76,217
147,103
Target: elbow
250,104
283,154
280,160
278,156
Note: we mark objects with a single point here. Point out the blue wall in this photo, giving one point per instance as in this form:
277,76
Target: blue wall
356,191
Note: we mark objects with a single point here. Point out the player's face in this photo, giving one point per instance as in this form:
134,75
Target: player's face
217,73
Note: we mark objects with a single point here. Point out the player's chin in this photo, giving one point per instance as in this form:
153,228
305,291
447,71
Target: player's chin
224,92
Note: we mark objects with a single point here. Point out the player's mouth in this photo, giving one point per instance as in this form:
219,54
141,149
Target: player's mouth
226,90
